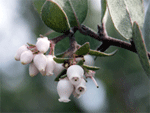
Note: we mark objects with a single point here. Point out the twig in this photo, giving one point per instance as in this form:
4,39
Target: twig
111,41
59,38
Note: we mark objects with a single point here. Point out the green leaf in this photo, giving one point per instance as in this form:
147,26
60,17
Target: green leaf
60,60
81,62
54,17
31,44
94,68
84,49
54,35
140,47
136,11
80,7
103,9
38,5
63,76
110,28
146,28
60,74
101,54
120,17
60,55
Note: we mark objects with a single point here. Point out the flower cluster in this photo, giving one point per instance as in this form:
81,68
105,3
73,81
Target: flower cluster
34,54
73,83
74,80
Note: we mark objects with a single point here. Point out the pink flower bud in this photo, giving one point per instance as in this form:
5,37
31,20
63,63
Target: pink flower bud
89,60
50,65
75,74
58,68
81,88
20,51
40,61
64,89
43,44
26,57
33,70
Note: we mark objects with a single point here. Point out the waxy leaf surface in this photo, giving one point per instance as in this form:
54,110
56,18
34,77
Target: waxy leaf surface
54,17
141,49
84,49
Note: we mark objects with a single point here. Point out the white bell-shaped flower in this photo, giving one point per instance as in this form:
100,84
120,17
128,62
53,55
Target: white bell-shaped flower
75,74
81,88
50,65
26,57
43,73
20,51
64,89
75,94
89,60
43,44
58,68
40,62
33,70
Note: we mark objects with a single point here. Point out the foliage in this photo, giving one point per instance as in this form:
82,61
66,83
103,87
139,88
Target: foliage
63,16
121,71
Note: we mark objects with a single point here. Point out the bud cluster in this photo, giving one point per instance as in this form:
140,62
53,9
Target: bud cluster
73,83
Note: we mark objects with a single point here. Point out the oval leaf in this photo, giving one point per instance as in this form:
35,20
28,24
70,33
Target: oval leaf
60,60
146,28
94,68
60,74
140,47
136,11
54,17
80,7
84,49
120,17
38,5
101,54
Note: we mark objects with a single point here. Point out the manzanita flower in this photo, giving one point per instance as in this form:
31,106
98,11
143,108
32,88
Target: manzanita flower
58,68
43,44
26,57
50,65
64,89
89,60
75,94
75,74
81,88
20,51
43,73
40,62
33,70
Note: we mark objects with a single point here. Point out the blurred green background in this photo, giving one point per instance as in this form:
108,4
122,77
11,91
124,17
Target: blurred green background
124,86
